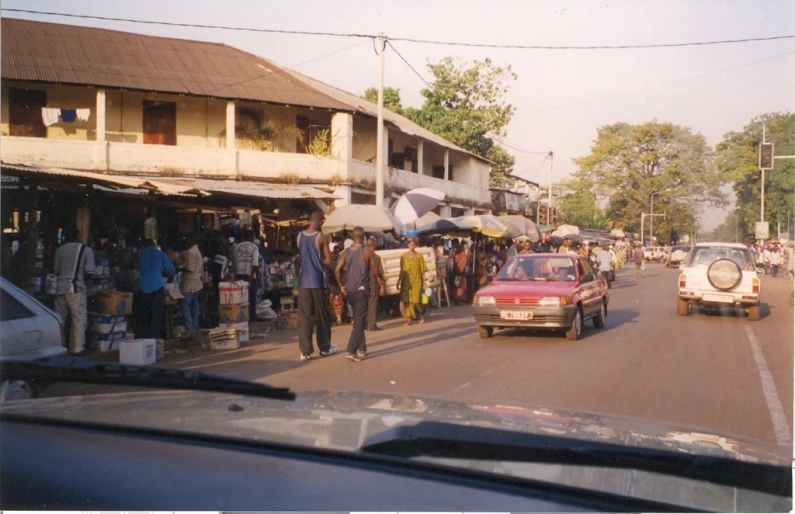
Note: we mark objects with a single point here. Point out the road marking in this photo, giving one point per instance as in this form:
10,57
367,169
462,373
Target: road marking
777,416
467,384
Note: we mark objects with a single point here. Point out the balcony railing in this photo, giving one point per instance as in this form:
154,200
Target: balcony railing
171,160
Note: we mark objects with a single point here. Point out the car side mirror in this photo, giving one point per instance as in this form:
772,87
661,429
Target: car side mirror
587,277
681,266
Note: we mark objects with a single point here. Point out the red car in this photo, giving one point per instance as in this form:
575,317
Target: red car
542,290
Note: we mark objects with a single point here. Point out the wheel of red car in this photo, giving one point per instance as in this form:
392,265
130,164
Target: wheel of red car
724,274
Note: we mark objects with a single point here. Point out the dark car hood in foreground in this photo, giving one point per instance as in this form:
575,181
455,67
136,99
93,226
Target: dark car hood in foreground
343,421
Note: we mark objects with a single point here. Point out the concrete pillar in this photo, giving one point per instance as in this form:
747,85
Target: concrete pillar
230,125
420,156
345,193
386,169
100,117
446,211
447,164
342,142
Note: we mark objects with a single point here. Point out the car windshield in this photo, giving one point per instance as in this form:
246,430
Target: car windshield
494,214
704,256
538,268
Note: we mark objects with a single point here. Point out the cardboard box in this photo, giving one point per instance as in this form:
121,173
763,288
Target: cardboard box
292,319
242,330
106,342
224,338
160,349
111,303
232,293
99,324
139,352
233,313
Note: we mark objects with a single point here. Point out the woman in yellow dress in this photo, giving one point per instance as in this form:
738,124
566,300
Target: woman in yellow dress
412,282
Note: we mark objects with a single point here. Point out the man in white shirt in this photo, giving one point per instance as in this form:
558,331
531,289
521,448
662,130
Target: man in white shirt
73,260
245,263
604,263
775,260
511,252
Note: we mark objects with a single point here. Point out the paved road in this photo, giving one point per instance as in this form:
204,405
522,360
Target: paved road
709,370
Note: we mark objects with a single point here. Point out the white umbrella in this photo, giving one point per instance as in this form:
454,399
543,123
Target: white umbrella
520,226
566,230
370,217
425,219
617,232
416,203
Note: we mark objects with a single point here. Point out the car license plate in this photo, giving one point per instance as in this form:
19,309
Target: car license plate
718,298
516,315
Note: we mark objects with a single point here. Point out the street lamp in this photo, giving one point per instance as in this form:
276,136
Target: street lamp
651,212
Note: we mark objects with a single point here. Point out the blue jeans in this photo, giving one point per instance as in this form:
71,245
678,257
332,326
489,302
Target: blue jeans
190,310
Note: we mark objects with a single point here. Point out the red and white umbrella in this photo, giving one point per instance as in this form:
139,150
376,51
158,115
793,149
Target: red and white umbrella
416,203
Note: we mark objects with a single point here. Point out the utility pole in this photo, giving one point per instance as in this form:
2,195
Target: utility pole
379,154
549,201
762,200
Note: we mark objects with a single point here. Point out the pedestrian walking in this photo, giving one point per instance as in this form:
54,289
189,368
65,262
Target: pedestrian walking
73,260
377,287
245,263
336,299
153,265
605,263
360,266
412,282
313,308
191,285
460,281
775,261
637,256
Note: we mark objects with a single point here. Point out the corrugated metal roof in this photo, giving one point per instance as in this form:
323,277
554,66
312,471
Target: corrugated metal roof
70,54
361,105
183,186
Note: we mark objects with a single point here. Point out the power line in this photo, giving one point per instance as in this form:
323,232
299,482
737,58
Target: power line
192,25
408,64
409,40
658,86
531,152
592,47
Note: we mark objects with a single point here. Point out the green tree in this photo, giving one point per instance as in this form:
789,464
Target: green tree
728,230
465,106
391,98
628,163
578,204
738,161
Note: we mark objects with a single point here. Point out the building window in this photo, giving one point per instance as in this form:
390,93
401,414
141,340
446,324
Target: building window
24,112
160,123
456,212
438,172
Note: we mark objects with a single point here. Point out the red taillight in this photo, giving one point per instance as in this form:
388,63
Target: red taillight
682,280
755,287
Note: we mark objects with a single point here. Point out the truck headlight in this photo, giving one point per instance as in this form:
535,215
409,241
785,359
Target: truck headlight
486,300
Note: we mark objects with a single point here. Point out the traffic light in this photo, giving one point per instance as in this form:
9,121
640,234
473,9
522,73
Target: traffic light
765,156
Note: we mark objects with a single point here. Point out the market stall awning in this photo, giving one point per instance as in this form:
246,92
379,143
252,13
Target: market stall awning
177,186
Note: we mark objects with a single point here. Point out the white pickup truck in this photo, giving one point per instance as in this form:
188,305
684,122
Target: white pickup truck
653,253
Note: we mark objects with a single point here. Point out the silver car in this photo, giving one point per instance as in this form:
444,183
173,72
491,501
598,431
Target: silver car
28,330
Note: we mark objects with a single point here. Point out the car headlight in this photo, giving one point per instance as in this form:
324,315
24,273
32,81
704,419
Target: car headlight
486,300
552,301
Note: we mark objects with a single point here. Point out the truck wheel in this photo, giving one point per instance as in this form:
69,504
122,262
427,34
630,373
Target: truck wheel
682,307
575,330
754,313
485,332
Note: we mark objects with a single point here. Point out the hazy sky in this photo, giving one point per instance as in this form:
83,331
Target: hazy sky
561,97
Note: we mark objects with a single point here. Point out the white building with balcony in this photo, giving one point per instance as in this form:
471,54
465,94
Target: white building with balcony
119,103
